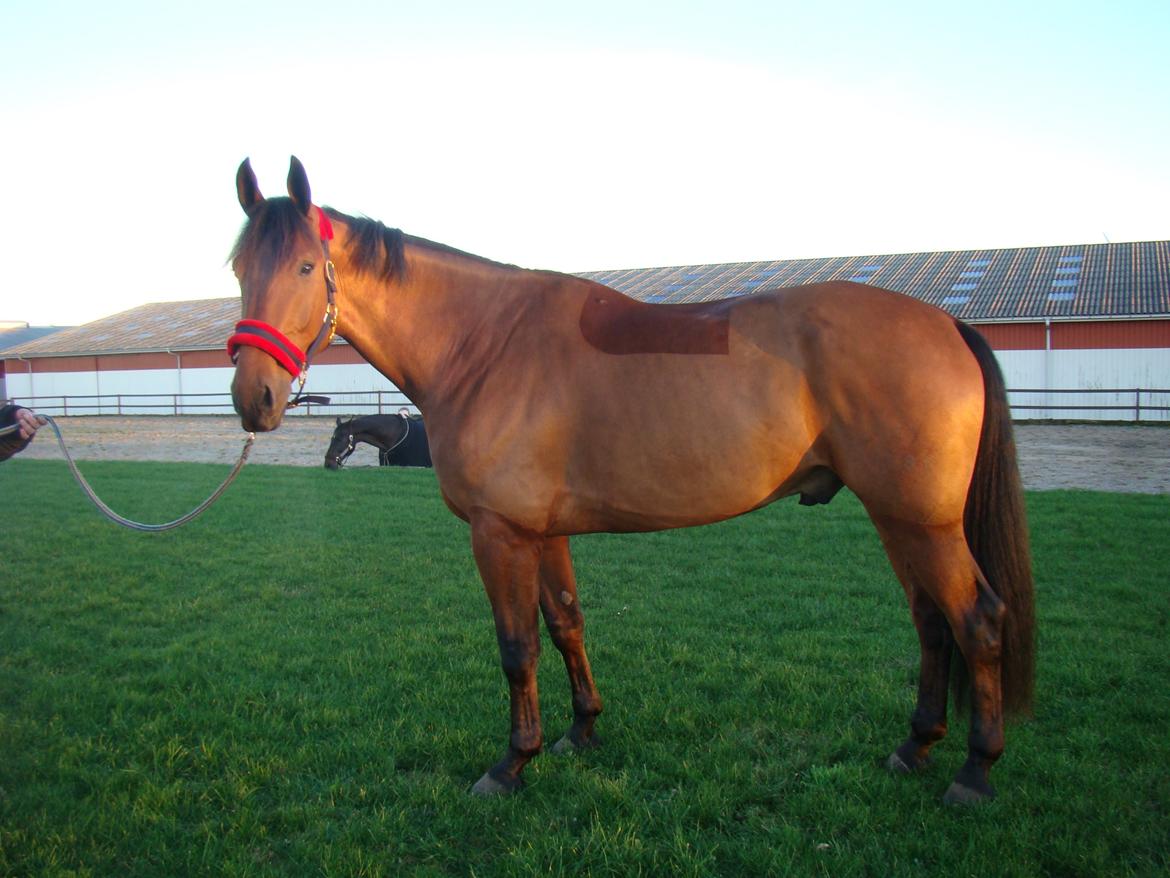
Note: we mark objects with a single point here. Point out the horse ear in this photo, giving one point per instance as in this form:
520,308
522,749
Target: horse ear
339,422
247,188
298,185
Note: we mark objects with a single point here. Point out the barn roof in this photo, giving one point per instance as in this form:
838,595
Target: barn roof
1076,281
162,326
18,334
1104,281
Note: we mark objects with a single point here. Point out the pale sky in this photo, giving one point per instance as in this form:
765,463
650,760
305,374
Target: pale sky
608,135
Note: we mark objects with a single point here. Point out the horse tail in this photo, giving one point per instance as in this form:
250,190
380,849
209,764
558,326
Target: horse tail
996,528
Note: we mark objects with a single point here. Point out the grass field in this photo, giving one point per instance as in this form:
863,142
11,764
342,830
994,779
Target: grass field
305,682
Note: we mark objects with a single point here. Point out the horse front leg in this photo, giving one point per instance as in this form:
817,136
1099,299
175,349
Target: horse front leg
508,558
566,625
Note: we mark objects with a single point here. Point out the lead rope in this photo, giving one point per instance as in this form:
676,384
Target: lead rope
126,522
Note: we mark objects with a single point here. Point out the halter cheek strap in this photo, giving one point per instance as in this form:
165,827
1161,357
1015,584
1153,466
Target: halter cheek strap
266,337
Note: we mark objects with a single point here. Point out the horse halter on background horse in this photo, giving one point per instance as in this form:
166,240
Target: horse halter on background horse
266,337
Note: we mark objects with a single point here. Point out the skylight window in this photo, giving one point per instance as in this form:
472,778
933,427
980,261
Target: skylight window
865,274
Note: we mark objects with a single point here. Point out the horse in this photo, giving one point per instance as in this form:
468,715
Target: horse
400,439
556,406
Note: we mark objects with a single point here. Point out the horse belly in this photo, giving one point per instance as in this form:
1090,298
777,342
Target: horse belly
701,447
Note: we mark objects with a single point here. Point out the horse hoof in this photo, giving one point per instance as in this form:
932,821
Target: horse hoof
959,794
491,786
567,745
897,765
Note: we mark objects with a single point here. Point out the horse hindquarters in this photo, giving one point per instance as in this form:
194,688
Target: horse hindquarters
970,585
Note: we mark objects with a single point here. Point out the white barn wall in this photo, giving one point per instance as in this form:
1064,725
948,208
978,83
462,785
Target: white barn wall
354,386
23,387
1124,369
1022,368
1094,369
153,391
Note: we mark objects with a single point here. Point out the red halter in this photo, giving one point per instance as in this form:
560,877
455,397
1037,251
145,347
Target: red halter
266,337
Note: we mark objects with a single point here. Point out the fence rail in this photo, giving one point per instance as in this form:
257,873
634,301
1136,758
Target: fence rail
1137,404
340,402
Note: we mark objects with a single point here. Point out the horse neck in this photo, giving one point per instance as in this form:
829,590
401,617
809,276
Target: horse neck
451,308
384,431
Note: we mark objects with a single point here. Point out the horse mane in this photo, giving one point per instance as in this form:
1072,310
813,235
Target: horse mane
379,250
275,225
374,248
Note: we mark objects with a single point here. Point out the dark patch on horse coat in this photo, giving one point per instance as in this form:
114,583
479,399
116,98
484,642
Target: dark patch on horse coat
616,324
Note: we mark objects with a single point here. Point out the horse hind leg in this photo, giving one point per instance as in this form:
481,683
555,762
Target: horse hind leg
928,724
936,565
566,626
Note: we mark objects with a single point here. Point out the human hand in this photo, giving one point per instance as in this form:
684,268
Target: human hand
28,423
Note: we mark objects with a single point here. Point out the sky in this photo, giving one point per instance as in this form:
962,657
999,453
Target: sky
594,136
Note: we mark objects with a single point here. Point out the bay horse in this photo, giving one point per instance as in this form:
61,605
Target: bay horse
400,439
557,406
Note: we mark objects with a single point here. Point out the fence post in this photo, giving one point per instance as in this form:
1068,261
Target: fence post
1137,405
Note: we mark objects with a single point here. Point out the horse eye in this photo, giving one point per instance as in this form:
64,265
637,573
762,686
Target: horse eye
306,268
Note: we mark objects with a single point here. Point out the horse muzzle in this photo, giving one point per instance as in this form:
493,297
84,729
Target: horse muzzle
260,391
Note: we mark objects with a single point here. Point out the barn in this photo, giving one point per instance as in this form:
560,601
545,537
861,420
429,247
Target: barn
1082,332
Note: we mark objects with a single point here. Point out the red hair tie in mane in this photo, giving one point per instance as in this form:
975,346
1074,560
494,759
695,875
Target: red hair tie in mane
323,225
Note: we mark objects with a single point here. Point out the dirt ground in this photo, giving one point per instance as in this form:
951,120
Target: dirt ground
1101,458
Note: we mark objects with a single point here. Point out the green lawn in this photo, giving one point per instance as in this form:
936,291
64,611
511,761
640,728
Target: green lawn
305,682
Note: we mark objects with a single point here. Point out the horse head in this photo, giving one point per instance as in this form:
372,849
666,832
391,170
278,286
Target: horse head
286,281
341,446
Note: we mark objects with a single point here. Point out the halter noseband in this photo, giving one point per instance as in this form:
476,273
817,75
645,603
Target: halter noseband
342,456
266,337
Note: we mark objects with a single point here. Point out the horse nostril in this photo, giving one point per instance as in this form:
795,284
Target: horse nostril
268,398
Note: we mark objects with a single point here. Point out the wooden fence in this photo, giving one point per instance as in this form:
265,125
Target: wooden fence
1132,405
